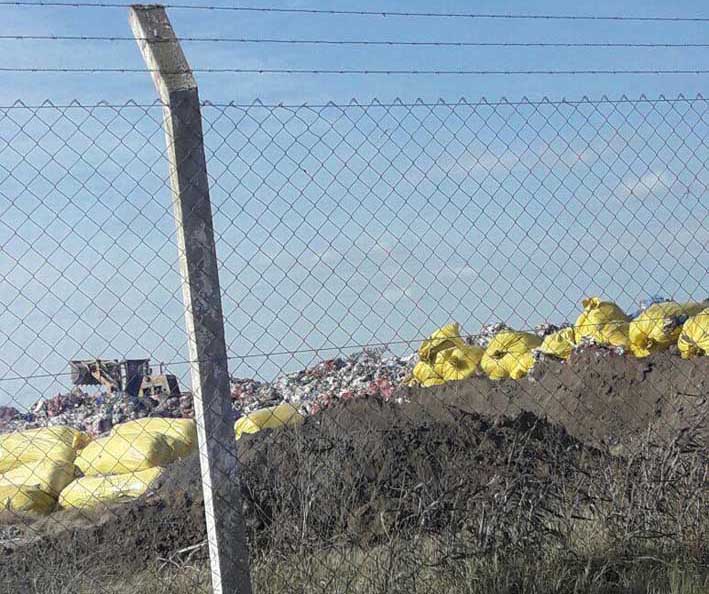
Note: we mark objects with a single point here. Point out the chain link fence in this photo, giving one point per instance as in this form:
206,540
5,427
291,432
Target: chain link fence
547,442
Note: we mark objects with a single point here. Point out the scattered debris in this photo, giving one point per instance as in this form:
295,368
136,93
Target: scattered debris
487,333
363,374
95,414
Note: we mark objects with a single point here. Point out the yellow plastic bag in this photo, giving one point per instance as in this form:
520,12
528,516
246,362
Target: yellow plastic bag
89,491
444,338
27,447
693,340
509,354
181,434
73,438
659,326
27,498
268,418
458,363
602,321
118,454
559,344
425,375
46,476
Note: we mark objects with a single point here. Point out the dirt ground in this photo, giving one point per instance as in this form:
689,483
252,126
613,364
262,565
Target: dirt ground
600,398
477,457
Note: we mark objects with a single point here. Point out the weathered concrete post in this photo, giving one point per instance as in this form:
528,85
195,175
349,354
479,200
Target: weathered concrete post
177,89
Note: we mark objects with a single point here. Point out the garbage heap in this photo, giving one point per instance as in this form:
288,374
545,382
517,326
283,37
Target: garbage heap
496,351
95,414
77,450
500,352
366,373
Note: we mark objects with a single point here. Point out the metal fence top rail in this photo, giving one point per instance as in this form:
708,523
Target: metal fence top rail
355,104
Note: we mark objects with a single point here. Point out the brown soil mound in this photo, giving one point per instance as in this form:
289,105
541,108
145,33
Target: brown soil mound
363,470
600,398
354,473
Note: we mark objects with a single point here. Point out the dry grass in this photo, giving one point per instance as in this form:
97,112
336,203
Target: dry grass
585,524
416,568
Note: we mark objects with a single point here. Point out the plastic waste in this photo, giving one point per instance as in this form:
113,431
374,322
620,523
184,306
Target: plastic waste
27,498
181,434
659,326
46,476
458,363
269,418
559,344
119,454
90,491
425,375
509,354
693,339
52,444
602,322
444,338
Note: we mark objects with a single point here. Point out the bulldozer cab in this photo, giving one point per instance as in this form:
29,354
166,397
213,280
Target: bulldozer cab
158,385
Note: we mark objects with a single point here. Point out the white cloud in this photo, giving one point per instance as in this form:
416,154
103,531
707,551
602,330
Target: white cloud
652,183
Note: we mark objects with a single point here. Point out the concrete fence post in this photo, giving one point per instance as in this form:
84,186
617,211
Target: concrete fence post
177,90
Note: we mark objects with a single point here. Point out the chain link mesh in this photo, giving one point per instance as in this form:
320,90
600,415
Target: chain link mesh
347,235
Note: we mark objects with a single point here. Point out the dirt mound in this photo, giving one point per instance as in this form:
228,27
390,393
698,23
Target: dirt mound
489,459
601,398
354,473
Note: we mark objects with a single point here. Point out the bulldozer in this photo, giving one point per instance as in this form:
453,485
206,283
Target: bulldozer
132,376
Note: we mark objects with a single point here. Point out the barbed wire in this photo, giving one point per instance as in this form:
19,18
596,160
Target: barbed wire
378,13
368,345
353,104
345,71
346,42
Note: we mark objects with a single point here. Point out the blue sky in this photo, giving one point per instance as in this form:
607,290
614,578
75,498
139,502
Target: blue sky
223,87
345,226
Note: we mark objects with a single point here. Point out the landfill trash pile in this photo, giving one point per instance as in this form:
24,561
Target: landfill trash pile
95,414
486,334
77,450
362,374
497,351
602,327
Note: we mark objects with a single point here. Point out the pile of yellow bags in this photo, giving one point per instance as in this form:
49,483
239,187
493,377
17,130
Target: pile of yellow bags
693,339
660,326
39,467
36,465
445,356
122,465
283,415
